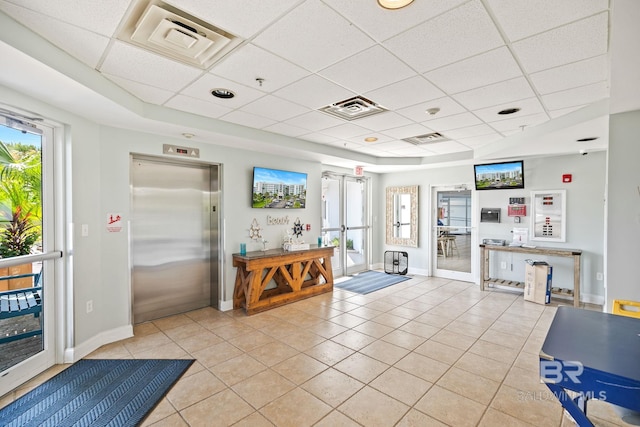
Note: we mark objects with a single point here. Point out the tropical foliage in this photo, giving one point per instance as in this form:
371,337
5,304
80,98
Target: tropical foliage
20,198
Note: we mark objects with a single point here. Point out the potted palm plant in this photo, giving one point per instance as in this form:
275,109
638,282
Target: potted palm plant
20,209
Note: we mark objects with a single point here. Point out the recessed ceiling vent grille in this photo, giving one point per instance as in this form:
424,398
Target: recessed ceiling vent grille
429,138
170,32
353,108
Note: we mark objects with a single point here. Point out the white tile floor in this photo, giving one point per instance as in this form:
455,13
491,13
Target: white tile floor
425,352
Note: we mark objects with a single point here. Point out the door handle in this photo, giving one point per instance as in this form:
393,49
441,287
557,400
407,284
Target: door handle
342,228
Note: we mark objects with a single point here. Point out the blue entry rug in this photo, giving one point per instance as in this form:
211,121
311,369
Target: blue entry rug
370,281
94,392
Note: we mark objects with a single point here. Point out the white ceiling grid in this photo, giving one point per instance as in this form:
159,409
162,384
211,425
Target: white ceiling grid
469,58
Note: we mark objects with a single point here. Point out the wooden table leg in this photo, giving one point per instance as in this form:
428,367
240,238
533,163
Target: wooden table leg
576,280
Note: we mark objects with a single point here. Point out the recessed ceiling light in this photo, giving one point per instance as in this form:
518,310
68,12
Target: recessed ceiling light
508,111
394,4
593,138
222,93
371,139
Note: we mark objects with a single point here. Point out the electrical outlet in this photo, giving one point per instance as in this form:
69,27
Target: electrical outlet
503,265
85,230
89,306
599,276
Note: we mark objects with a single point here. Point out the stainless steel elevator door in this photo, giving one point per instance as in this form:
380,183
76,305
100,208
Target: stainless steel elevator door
171,228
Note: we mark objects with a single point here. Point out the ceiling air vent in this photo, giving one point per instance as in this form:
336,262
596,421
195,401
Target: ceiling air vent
353,108
170,32
428,138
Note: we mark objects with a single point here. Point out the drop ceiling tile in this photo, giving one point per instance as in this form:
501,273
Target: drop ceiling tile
247,119
452,122
315,121
480,70
314,92
97,16
319,138
285,129
404,93
250,62
146,93
360,138
132,63
452,36
577,96
478,130
527,107
313,36
368,70
419,113
447,147
274,108
580,40
520,19
520,123
408,131
577,74
495,94
479,141
202,88
382,121
255,14
197,106
345,131
381,23
369,150
82,44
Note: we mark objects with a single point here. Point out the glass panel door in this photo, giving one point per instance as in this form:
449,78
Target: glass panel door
345,222
26,199
356,225
453,234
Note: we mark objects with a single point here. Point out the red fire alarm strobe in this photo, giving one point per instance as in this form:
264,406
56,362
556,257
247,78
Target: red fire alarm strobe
566,177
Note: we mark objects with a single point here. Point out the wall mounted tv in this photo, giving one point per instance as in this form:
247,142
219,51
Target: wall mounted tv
499,176
273,188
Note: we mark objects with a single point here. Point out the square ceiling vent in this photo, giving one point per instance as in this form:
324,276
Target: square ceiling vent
428,138
171,32
353,108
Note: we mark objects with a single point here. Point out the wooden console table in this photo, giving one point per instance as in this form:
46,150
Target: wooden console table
574,253
297,274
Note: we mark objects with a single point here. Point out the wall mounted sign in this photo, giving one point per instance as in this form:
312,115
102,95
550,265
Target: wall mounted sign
114,222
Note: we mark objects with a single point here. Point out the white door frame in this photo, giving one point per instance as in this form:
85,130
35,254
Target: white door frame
433,235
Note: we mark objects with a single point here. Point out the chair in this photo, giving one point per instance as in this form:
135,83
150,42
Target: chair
452,245
22,302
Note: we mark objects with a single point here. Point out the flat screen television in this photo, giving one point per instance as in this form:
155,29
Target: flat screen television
278,189
499,176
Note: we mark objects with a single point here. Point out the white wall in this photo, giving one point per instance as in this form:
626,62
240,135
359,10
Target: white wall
623,213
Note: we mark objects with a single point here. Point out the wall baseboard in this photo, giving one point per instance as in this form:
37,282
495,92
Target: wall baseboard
592,299
76,353
225,305
418,271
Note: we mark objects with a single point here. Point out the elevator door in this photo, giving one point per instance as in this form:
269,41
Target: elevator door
173,230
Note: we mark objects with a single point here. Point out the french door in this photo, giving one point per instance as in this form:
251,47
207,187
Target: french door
453,234
27,249
345,222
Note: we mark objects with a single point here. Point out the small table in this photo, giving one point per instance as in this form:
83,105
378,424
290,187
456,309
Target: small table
576,254
594,354
297,275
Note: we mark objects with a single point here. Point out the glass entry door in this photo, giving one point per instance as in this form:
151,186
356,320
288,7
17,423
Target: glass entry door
345,222
453,235
26,251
